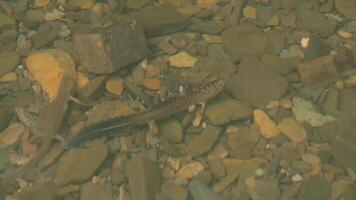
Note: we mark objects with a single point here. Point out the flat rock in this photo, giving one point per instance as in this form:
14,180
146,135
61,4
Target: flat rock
249,40
144,178
317,47
77,165
316,22
347,8
226,110
190,170
47,68
113,49
204,142
9,60
93,88
92,191
115,86
320,70
208,27
171,129
292,129
281,65
256,84
314,188
160,20
268,127
201,191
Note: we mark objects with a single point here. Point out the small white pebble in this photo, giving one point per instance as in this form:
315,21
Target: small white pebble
305,42
191,108
260,172
181,89
297,178
204,125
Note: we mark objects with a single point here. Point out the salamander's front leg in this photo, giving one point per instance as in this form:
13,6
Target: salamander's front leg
198,115
152,134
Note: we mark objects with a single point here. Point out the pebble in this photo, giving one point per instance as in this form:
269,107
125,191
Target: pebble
151,83
9,77
294,131
171,129
182,60
190,170
227,110
115,86
204,142
77,165
297,178
47,68
314,161
268,127
250,12
344,34
12,134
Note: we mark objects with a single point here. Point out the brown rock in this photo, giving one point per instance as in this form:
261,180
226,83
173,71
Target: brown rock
115,48
292,130
115,86
151,83
267,126
47,68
